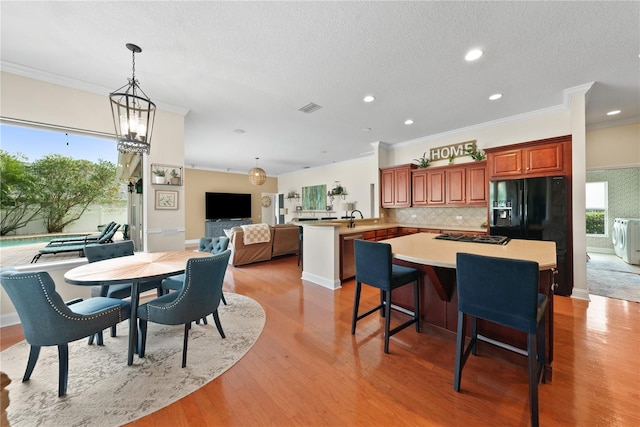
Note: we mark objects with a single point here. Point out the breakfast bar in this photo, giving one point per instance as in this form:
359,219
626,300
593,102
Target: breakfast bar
436,259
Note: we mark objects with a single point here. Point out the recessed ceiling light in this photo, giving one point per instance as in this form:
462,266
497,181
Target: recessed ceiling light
408,122
473,54
366,129
613,113
495,96
369,98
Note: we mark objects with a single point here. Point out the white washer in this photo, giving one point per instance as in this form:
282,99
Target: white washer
626,240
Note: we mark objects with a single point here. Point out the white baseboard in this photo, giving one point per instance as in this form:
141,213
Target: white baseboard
580,294
322,281
9,319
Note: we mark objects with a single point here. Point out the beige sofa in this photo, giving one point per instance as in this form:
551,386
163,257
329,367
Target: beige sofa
284,241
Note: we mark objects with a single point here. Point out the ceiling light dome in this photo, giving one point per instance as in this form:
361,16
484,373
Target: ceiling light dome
473,54
369,98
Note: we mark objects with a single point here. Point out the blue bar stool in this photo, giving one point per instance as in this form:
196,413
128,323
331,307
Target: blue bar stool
503,291
374,267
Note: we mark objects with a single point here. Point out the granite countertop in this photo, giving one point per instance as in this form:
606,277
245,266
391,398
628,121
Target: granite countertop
375,224
423,248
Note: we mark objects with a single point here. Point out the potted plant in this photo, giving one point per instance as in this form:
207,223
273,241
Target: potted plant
423,162
159,176
175,177
477,155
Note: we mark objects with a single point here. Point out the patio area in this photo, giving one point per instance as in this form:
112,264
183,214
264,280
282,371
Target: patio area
23,254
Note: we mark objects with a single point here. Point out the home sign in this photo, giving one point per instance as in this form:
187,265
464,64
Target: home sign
451,151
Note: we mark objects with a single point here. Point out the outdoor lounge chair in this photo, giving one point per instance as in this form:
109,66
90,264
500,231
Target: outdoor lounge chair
90,238
56,248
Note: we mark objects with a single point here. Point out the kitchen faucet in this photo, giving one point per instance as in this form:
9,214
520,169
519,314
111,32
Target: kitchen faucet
352,223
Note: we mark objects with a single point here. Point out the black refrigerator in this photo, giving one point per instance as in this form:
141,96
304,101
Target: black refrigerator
536,209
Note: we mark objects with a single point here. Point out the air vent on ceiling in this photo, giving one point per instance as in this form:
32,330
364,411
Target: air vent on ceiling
310,108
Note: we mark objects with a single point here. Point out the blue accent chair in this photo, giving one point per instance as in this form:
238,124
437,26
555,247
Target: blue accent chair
47,320
199,296
503,291
214,245
99,252
374,267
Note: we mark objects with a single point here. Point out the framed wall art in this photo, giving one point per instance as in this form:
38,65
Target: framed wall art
166,199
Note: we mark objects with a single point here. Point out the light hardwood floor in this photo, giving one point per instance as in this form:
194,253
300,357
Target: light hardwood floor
306,369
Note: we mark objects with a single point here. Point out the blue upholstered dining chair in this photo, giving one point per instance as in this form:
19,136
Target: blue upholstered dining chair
374,267
503,291
198,297
214,245
99,252
47,320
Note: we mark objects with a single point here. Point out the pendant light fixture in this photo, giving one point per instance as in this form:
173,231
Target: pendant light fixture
133,113
257,176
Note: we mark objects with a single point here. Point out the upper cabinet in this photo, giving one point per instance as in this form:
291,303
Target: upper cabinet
538,158
395,186
464,185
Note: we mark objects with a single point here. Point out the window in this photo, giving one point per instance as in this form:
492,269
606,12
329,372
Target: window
30,144
596,201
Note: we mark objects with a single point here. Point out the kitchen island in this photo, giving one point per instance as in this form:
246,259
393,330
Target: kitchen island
436,259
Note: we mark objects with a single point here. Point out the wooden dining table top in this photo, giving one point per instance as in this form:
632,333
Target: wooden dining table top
141,265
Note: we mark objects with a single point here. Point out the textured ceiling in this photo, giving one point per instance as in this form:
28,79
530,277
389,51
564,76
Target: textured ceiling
252,65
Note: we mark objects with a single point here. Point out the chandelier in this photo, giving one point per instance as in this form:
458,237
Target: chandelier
257,176
133,113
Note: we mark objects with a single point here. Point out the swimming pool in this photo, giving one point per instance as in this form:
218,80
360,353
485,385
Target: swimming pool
6,242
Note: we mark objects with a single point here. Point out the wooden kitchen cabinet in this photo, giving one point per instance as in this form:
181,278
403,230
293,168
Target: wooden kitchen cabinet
455,183
428,187
419,187
537,158
462,185
395,186
477,185
436,187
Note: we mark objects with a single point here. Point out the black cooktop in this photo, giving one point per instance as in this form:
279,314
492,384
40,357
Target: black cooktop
492,240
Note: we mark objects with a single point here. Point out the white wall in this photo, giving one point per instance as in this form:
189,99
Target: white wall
355,175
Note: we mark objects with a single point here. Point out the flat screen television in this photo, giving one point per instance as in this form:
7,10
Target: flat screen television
227,206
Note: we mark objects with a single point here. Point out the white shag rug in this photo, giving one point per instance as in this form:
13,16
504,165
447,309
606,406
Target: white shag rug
104,391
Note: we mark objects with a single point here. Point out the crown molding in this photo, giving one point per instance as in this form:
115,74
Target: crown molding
57,79
480,126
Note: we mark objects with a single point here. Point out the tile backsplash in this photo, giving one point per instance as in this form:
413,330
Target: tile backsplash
470,217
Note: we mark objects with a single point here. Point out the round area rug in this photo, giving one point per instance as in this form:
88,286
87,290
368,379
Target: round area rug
104,391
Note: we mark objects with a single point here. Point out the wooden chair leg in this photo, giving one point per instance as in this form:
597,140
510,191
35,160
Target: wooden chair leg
187,326
63,369
216,319
34,352
356,304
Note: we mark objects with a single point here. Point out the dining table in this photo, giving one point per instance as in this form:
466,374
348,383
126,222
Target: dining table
135,269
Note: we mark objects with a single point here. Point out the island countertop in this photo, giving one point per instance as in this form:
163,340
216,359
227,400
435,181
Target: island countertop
423,248
371,225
